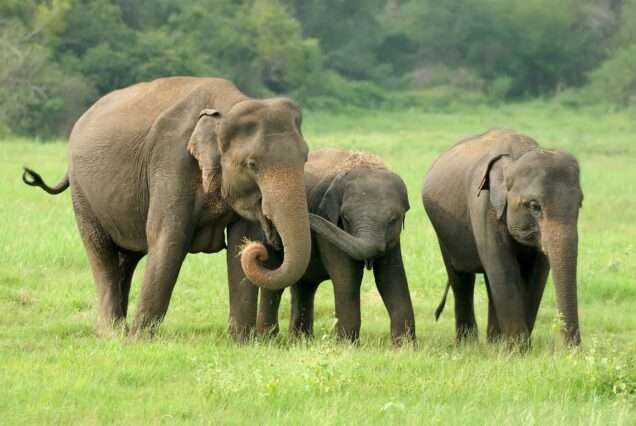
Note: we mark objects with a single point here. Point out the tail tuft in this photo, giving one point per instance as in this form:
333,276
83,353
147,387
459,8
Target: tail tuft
32,178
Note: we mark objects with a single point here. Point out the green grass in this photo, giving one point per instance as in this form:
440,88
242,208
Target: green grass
54,370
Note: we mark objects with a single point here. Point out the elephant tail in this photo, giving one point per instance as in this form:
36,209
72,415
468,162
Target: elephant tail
440,307
33,179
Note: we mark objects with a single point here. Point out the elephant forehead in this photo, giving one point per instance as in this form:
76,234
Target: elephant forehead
262,110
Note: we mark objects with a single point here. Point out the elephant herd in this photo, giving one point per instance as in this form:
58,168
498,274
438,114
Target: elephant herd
172,166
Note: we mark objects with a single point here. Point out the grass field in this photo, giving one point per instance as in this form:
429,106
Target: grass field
55,371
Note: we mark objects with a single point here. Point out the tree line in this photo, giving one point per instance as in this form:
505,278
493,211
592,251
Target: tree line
58,56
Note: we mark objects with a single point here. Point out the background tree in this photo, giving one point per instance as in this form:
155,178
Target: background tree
58,56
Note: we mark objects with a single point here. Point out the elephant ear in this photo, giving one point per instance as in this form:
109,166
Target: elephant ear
331,200
407,207
203,145
494,180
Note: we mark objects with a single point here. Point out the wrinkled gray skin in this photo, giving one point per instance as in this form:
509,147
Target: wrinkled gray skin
161,168
356,217
503,206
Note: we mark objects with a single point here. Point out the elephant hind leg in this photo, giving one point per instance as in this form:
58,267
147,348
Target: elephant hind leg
112,282
463,286
103,257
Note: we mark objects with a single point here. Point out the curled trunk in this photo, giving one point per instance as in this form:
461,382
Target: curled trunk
358,248
561,247
284,203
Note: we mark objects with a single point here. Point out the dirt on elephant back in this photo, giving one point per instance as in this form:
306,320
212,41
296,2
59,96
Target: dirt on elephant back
361,159
337,161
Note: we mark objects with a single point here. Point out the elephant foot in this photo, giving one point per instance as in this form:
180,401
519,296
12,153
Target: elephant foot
111,329
241,333
349,336
143,328
466,334
514,343
267,330
404,341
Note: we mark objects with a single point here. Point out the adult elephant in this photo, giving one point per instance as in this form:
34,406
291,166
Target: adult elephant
503,206
161,168
357,210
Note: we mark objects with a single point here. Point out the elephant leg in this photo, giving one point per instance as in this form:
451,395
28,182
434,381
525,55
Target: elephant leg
346,275
497,253
508,298
243,294
390,279
169,238
347,298
162,269
127,263
267,320
463,286
535,285
494,331
301,321
103,256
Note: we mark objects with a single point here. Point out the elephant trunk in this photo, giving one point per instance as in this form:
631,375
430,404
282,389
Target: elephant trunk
357,248
285,205
561,247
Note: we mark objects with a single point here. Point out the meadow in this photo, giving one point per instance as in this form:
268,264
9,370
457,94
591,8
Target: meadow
54,370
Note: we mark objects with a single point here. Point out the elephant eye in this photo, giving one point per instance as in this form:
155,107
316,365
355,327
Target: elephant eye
533,206
251,164
393,220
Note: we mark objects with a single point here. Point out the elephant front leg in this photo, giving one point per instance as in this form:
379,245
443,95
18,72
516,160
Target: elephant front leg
165,256
493,331
346,275
535,285
507,305
391,281
242,293
506,287
347,298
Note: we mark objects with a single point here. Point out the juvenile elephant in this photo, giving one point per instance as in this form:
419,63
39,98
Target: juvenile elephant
161,168
357,209
503,206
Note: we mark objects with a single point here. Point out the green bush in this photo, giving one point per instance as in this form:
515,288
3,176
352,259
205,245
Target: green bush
37,96
500,88
615,81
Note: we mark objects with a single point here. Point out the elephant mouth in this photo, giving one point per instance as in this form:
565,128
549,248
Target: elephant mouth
271,234
527,237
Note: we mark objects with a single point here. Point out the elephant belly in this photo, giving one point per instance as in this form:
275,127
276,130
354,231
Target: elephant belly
458,243
209,236
464,258
209,239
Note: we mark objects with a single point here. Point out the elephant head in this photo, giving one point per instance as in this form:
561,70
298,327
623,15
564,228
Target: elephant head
362,212
538,196
254,153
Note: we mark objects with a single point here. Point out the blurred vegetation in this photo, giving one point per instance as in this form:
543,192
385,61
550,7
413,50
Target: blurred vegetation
58,56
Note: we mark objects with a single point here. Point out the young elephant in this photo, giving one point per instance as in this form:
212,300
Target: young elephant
503,206
357,210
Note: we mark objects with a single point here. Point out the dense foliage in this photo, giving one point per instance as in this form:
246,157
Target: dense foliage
58,56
